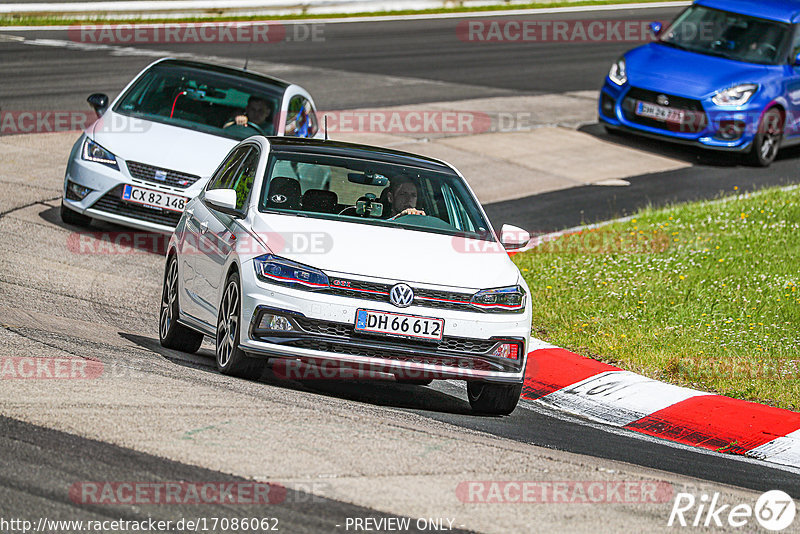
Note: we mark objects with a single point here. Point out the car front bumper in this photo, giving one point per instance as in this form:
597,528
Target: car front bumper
104,202
704,130
324,332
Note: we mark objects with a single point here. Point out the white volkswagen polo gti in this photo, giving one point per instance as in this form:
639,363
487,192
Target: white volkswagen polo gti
393,269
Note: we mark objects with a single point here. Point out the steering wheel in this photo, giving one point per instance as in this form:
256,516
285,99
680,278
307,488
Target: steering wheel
255,127
252,125
767,50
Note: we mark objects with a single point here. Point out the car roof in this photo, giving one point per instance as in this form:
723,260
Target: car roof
221,69
353,150
780,10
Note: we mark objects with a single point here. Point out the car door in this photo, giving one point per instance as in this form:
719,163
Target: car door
197,228
217,230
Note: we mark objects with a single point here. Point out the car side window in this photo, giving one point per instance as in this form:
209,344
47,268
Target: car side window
243,179
225,173
301,119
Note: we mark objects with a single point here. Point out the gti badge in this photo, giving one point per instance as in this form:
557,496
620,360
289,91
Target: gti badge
401,296
663,100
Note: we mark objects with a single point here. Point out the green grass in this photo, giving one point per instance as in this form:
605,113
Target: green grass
703,295
50,20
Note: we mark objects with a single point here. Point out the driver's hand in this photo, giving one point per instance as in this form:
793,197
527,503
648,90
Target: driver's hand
409,211
240,120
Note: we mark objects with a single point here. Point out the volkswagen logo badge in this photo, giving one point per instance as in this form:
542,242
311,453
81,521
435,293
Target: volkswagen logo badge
663,100
278,198
401,295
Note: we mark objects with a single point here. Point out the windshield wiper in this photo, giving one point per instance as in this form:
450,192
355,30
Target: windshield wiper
674,45
721,53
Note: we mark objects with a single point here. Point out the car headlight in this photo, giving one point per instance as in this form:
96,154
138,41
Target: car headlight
504,298
735,96
619,73
277,270
94,152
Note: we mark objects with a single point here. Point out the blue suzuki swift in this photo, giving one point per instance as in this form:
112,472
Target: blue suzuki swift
724,75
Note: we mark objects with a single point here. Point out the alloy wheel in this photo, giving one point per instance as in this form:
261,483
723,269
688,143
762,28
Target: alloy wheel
228,326
168,296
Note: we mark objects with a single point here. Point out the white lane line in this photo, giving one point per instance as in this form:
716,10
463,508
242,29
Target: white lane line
94,47
618,397
423,16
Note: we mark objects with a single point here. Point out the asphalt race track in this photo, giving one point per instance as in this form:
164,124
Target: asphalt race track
347,449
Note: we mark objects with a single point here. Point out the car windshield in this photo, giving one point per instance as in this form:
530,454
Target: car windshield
369,192
729,35
203,100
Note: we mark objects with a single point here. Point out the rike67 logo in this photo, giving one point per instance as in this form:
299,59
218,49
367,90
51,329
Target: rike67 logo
774,511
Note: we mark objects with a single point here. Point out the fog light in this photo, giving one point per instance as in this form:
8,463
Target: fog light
730,130
275,323
507,350
76,192
607,105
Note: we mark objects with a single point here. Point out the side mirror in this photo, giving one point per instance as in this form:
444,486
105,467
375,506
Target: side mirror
99,102
223,200
655,28
513,238
797,60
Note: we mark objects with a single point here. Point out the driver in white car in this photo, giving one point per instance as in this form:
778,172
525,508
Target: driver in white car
257,112
402,197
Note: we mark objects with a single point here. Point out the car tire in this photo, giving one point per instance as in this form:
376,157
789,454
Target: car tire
73,217
171,333
232,360
493,399
767,141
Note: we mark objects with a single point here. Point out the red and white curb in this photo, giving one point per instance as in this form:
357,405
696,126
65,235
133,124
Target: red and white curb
560,379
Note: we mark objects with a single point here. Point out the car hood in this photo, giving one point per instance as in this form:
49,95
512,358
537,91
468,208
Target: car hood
390,253
161,145
661,68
